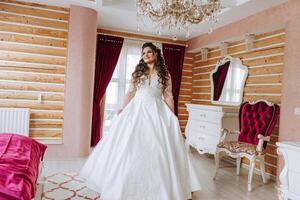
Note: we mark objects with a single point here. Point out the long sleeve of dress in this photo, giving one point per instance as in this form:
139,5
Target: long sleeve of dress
168,95
129,95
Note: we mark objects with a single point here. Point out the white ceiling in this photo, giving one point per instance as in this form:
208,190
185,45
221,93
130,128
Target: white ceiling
120,15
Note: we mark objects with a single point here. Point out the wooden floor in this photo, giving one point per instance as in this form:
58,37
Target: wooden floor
227,186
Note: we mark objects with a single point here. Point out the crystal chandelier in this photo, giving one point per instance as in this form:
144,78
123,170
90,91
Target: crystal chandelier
179,14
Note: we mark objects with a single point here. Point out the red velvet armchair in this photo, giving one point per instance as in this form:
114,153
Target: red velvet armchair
257,121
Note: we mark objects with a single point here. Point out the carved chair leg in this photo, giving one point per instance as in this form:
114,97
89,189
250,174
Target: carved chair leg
250,175
238,165
262,168
217,163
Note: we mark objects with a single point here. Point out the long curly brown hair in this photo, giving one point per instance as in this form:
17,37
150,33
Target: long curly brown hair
160,66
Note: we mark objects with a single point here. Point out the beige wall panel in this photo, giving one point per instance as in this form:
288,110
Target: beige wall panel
35,5
259,53
201,96
186,80
201,102
46,115
274,138
264,61
252,98
31,77
277,69
5,63
32,59
269,59
28,86
32,49
182,110
31,96
41,69
201,83
33,31
202,76
271,160
46,133
204,69
33,12
182,118
264,79
187,73
270,34
186,85
184,99
32,21
45,124
37,106
182,104
201,89
188,62
33,40
185,89
263,89
185,92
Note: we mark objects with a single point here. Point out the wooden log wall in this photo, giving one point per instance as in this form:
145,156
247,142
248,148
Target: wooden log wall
265,64
185,93
33,51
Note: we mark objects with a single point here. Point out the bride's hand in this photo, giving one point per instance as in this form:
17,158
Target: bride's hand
119,111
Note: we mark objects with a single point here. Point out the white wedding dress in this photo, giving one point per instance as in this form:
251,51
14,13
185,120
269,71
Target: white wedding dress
143,156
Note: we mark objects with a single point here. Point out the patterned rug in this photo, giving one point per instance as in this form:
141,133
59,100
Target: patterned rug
60,186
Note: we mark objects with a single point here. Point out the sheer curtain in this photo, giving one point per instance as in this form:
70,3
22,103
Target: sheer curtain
119,84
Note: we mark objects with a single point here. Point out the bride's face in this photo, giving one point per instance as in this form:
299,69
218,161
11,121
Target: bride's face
148,56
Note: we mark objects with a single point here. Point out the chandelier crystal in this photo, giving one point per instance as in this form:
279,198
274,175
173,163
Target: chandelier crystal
179,14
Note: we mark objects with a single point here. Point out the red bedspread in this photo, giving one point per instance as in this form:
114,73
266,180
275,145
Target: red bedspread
19,166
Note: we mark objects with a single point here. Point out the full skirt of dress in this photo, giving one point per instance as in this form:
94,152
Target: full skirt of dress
143,157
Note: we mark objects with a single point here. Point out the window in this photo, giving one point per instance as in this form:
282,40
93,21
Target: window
115,92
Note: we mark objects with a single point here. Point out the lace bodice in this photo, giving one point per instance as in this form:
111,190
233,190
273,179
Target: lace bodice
151,87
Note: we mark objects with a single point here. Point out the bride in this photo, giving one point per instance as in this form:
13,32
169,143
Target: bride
143,156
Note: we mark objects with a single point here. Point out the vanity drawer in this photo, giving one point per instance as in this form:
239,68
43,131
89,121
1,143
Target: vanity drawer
192,137
203,141
204,127
208,141
205,115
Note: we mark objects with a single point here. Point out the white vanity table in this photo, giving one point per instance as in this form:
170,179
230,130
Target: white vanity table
290,174
203,129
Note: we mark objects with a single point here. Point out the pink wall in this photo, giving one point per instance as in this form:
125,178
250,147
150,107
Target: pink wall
79,85
286,15
267,20
290,123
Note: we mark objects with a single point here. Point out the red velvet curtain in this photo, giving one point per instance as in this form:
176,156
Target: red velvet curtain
174,56
219,79
107,55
